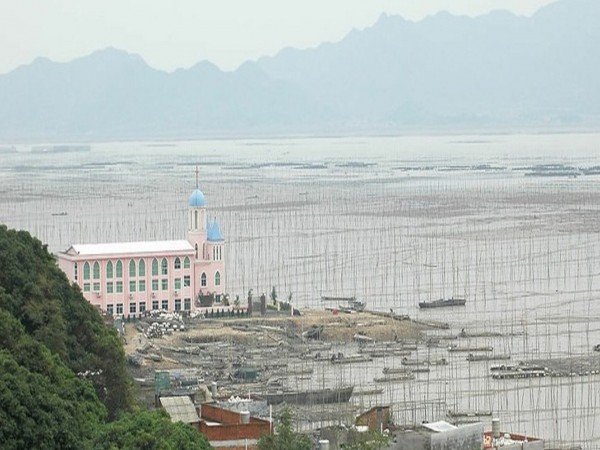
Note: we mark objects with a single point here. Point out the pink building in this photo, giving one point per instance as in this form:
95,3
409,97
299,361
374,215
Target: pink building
132,277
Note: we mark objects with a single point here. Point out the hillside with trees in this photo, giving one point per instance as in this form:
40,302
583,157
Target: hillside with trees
63,378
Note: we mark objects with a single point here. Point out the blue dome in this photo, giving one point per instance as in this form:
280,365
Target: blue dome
213,233
197,199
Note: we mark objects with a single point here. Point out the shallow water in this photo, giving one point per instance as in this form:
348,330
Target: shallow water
393,221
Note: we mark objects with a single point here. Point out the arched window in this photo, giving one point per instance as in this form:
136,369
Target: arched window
86,271
96,271
186,263
142,268
109,269
119,269
203,280
217,279
177,263
164,266
131,268
196,247
154,267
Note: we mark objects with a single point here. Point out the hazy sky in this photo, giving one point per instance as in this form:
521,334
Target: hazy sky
178,33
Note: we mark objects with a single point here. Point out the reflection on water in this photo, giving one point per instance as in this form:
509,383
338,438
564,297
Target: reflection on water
393,221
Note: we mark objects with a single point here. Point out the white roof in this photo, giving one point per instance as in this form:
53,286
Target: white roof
439,427
132,247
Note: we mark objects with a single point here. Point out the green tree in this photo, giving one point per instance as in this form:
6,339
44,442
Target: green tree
145,430
274,295
55,314
284,438
371,440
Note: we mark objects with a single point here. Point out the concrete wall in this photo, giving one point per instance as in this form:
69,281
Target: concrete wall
466,437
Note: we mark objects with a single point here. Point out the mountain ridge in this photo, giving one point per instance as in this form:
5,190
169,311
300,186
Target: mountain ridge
497,71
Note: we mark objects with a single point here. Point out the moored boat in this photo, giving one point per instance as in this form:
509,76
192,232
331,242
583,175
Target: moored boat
312,397
443,302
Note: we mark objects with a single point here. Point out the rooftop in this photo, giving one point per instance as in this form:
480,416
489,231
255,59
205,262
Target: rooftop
130,248
180,409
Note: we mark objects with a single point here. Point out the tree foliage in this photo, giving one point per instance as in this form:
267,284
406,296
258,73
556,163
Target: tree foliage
49,336
146,430
54,313
285,438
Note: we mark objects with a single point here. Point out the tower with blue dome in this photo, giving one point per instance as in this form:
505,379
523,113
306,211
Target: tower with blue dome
207,240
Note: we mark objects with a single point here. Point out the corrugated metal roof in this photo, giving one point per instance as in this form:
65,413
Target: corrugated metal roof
180,409
132,247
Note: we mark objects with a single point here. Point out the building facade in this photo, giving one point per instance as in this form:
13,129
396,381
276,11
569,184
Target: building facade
131,278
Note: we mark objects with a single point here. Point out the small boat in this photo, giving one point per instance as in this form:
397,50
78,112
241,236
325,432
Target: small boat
459,414
312,397
442,303
362,339
367,391
424,362
408,376
388,370
456,348
339,358
473,357
512,374
314,332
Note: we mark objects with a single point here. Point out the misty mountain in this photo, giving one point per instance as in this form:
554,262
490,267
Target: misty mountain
493,72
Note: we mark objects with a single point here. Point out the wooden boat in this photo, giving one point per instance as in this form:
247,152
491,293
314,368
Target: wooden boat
389,370
424,362
473,357
395,377
512,374
442,303
456,348
312,397
341,359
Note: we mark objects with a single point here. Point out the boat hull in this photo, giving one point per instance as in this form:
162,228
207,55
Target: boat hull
316,397
443,303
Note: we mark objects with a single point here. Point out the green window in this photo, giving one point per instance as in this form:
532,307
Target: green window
109,287
142,286
186,263
142,268
119,269
203,280
187,304
177,263
96,287
109,269
177,283
164,266
132,286
86,287
96,271
131,268
217,279
186,281
86,271
119,287
165,285
155,285
154,267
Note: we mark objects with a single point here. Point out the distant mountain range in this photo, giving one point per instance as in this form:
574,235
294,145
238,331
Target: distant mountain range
445,73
